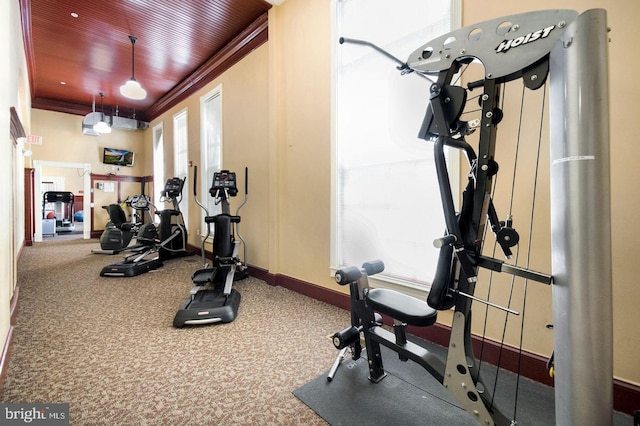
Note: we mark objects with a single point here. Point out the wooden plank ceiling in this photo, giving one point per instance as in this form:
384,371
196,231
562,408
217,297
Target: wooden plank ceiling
77,49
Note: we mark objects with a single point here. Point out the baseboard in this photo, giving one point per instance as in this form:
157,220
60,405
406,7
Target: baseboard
195,250
14,305
8,344
4,358
626,395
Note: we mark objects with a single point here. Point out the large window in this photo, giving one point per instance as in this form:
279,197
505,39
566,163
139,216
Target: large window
387,204
211,147
181,159
158,165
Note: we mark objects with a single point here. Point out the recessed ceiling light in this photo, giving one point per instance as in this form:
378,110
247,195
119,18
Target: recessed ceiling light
63,82
74,15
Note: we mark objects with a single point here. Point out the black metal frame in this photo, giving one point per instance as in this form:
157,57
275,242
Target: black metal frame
461,247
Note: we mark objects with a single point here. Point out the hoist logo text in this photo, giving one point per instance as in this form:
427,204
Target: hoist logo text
527,38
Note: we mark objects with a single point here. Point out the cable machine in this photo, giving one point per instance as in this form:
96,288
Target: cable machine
571,50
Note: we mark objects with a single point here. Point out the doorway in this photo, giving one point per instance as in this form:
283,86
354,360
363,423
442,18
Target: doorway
86,203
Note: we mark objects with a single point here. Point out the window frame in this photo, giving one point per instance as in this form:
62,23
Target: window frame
409,287
206,173
158,164
181,158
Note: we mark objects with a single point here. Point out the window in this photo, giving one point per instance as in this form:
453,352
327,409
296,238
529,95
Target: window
211,147
386,198
158,165
181,159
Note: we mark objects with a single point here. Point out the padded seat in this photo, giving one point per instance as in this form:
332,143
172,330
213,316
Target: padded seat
399,306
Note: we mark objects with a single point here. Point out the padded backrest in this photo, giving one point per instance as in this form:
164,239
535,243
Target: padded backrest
439,296
116,215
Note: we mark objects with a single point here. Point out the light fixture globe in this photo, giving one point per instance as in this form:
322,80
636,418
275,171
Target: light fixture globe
132,90
102,127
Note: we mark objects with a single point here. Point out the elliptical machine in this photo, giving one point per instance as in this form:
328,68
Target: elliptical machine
173,232
156,245
212,298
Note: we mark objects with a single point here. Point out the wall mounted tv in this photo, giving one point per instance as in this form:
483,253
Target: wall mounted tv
118,157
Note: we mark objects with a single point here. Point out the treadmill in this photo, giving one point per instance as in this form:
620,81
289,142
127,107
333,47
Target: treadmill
63,209
213,298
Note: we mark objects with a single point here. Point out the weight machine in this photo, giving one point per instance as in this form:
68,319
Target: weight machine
572,50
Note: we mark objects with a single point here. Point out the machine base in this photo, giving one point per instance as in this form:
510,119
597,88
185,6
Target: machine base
65,225
133,249
131,269
208,307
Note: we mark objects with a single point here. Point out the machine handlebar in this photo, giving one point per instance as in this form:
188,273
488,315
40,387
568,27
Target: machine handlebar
373,267
195,181
352,273
348,275
246,181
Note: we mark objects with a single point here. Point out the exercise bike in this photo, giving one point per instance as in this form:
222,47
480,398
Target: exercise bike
119,232
212,298
156,244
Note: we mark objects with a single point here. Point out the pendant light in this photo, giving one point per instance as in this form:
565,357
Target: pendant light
132,89
102,126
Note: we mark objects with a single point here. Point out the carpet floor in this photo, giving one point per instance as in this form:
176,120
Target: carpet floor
108,348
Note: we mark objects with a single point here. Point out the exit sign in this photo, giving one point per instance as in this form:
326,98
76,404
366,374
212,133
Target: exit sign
34,139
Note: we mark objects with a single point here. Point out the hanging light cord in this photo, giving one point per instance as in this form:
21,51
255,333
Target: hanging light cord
133,49
102,105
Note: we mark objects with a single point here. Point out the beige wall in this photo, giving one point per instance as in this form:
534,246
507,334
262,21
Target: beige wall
277,122
245,134
299,35
12,72
64,142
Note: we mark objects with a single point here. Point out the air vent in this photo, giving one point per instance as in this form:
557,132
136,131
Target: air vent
116,123
128,123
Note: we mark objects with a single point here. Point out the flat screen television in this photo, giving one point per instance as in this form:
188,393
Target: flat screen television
118,157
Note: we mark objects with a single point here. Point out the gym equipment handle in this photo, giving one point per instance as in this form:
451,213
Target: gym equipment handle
373,267
212,219
352,273
402,66
246,181
195,180
347,275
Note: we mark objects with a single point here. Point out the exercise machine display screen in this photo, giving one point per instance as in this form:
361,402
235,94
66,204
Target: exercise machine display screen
173,187
224,180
